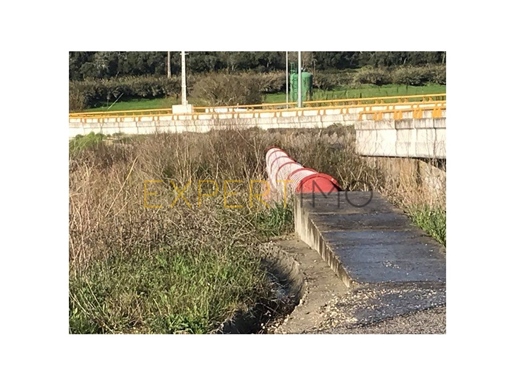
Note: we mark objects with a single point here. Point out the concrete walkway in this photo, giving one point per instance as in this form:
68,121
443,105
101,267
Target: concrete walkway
368,243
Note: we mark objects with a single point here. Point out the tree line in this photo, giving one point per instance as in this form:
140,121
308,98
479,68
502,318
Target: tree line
113,64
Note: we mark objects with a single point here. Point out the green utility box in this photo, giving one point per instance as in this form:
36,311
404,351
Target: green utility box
306,89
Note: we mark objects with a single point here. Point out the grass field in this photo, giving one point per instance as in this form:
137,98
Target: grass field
364,92
341,93
140,104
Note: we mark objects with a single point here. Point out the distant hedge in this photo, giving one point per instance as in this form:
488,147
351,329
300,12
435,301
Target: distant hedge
418,76
92,93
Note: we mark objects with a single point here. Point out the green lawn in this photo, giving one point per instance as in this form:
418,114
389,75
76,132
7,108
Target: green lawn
139,104
364,92
339,93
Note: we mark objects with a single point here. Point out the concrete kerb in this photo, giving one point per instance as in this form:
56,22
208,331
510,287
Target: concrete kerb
308,232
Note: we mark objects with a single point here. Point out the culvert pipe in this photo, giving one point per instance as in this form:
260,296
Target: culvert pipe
283,170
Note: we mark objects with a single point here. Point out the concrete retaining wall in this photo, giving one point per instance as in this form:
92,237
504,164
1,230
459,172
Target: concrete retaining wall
217,118
389,137
418,138
202,123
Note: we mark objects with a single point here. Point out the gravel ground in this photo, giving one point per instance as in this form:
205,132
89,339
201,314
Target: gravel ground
329,307
428,321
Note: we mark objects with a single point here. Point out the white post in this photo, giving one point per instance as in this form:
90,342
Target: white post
287,80
299,82
183,86
169,66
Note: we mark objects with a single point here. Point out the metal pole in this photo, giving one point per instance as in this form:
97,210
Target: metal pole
299,83
287,81
183,86
168,65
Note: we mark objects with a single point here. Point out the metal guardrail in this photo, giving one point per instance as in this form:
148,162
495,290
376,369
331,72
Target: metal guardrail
404,99
397,114
126,113
411,101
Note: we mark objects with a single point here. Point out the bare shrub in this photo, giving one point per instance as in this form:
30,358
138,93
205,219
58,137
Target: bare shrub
225,89
372,75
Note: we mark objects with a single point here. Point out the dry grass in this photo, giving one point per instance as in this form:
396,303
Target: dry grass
202,241
417,187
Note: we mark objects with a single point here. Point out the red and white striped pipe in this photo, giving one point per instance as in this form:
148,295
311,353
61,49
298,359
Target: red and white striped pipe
286,173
